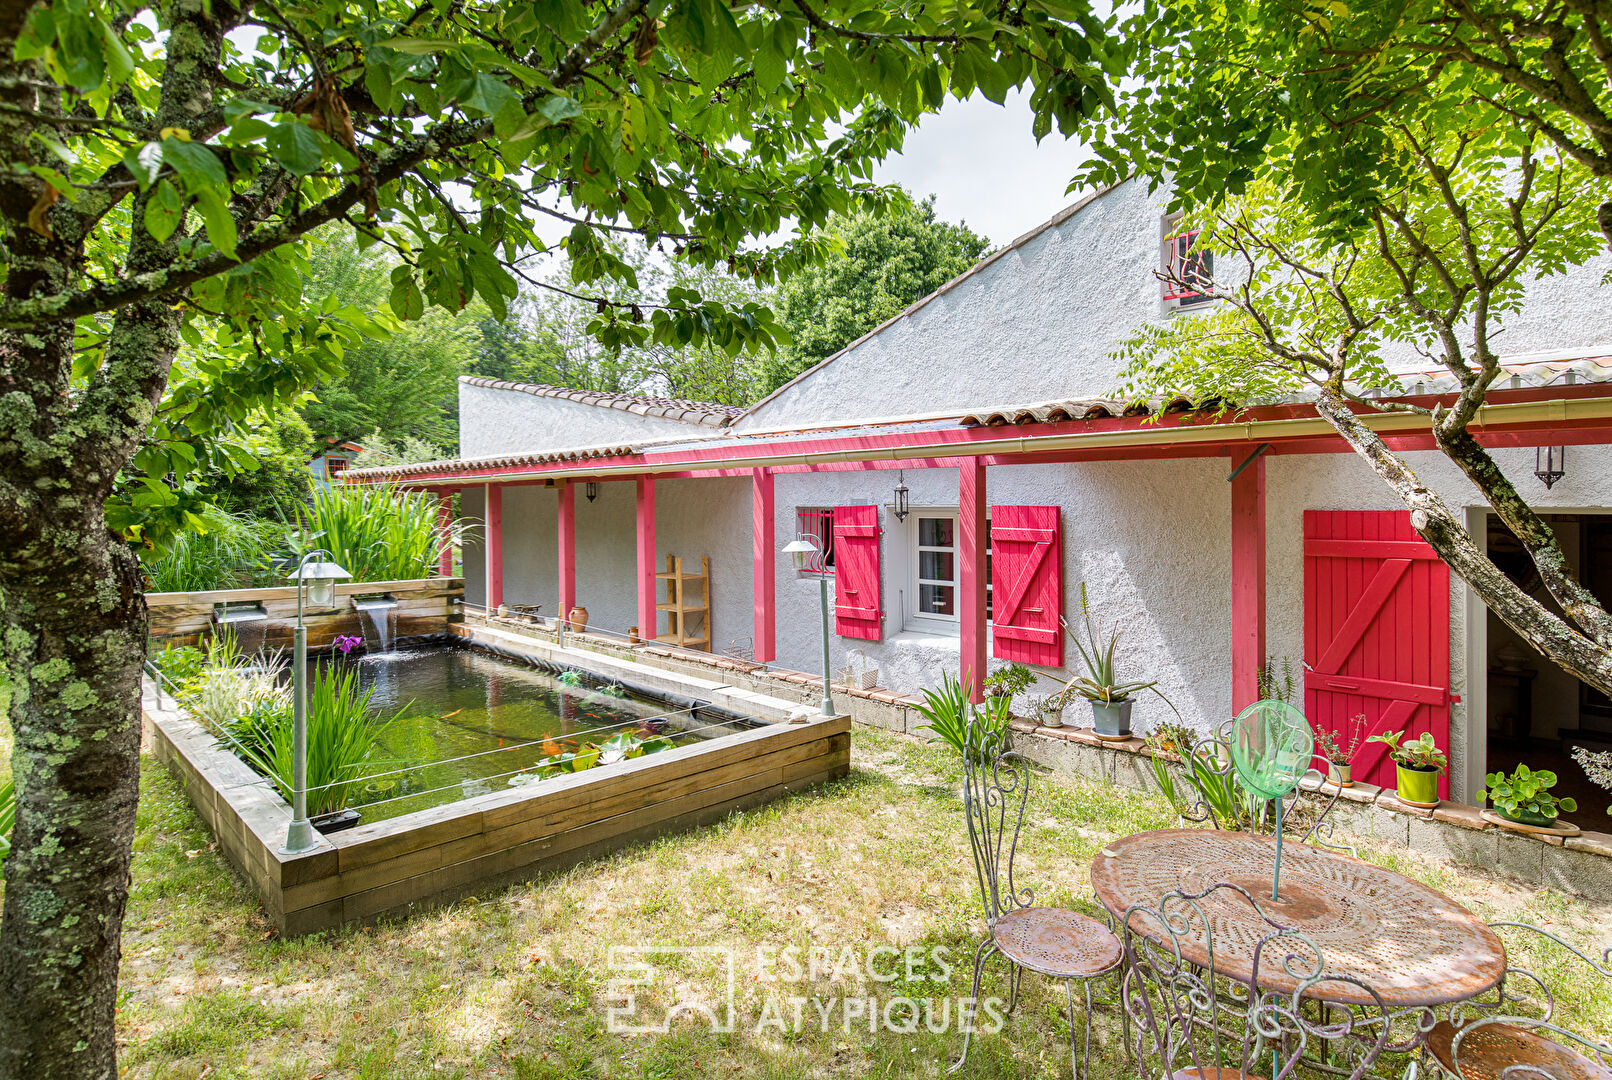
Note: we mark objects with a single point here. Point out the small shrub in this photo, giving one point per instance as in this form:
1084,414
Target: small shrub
949,710
342,739
1526,791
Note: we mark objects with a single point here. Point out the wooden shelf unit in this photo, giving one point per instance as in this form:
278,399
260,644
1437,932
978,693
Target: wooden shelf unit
688,597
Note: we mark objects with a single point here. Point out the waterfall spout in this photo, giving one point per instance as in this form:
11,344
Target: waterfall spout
248,622
379,617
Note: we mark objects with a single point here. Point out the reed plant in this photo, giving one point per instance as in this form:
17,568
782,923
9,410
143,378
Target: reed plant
8,816
376,532
225,552
343,736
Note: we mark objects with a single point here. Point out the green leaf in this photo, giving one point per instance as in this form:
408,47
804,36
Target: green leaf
295,146
558,107
406,301
164,211
198,167
420,46
219,221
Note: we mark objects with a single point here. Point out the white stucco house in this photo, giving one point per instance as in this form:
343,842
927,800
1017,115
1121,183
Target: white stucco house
1211,544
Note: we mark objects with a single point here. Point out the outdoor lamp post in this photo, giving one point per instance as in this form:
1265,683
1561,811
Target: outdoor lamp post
802,551
316,579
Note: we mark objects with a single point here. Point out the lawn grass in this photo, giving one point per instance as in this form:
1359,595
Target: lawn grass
512,983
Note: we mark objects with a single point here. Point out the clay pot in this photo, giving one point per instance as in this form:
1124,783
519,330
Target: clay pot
579,619
632,635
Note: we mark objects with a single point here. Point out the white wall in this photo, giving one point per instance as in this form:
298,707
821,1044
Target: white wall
1152,541
1038,324
493,421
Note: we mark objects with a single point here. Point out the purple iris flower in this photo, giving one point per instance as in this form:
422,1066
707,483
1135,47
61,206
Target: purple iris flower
347,643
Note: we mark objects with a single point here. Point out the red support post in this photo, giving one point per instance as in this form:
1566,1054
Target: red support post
567,548
1247,582
445,529
971,503
647,620
495,547
765,561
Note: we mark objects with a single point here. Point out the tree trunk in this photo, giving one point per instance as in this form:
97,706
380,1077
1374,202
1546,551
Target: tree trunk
1555,638
74,639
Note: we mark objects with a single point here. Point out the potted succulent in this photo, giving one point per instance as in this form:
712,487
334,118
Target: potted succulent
1109,696
1338,748
1418,765
1524,797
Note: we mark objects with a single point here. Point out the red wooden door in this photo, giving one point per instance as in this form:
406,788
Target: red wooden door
1376,633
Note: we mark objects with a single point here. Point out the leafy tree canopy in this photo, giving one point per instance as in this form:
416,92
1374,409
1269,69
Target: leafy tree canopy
165,166
882,263
1219,90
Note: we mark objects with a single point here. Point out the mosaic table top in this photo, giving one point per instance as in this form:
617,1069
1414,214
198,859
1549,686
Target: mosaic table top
1413,945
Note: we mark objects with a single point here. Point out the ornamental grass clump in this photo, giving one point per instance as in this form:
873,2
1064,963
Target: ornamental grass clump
343,737
376,532
223,551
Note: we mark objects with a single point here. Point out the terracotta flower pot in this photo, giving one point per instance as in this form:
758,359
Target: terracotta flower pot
1417,786
579,619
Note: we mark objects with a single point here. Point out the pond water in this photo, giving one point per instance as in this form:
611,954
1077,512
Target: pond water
481,720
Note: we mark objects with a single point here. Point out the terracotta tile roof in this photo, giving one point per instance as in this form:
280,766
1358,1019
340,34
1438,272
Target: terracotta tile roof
399,472
1522,372
706,413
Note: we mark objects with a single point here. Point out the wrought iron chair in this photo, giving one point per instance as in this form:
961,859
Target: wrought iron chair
1193,1022
1054,942
1517,1035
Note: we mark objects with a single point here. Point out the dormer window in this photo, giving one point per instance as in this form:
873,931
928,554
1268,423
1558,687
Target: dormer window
1184,266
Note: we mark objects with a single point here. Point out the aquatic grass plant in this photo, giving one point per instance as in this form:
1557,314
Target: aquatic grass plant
376,532
225,551
343,735
8,816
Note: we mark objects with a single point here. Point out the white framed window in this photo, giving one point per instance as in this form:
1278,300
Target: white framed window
1183,260
935,566
817,522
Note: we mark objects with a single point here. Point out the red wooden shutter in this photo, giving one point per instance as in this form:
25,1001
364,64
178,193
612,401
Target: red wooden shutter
1027,590
1376,633
856,572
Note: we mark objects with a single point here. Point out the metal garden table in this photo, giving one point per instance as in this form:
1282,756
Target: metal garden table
1413,945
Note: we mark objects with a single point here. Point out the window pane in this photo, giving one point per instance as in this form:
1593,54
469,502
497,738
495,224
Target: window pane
936,600
934,532
935,566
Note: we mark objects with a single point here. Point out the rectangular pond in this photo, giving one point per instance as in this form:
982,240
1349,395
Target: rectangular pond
474,722
455,823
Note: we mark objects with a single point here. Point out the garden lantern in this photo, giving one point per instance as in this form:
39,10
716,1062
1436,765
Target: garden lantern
804,551
316,579
899,507
1550,463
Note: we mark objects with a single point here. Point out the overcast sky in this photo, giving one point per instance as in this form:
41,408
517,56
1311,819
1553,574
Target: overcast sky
983,166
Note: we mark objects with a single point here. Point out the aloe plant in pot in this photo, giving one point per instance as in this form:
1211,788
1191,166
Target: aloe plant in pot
1110,697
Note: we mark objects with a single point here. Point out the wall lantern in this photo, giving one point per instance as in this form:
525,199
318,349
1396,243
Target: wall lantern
1550,463
900,506
591,490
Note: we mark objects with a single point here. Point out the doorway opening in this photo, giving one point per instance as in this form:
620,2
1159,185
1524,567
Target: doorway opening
1538,713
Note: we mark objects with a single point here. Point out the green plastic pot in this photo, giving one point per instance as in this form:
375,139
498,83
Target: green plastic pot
1417,785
